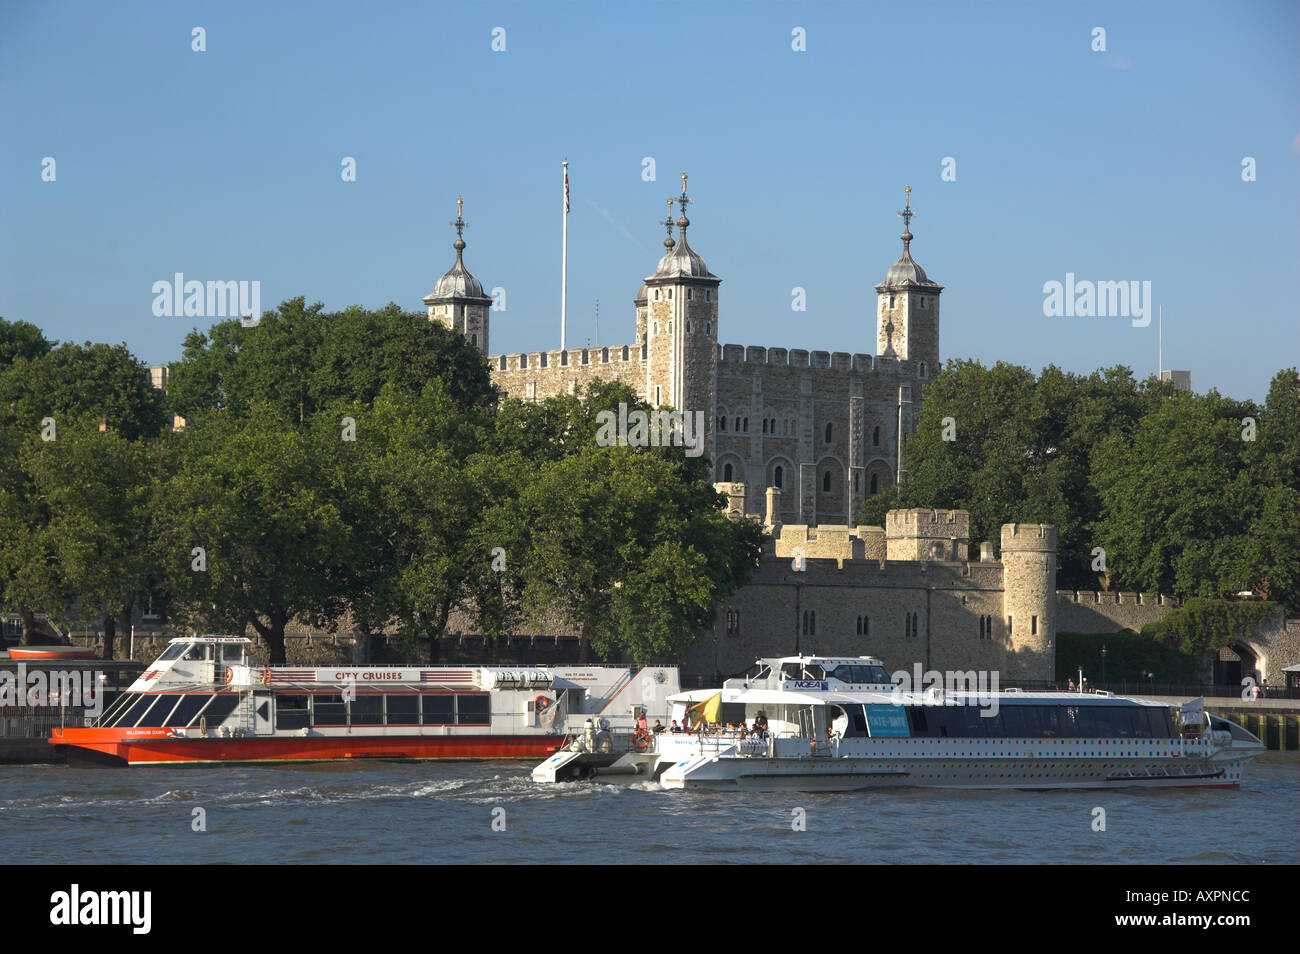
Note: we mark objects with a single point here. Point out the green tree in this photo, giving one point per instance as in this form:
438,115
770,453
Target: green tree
20,339
630,544
1176,498
248,531
96,488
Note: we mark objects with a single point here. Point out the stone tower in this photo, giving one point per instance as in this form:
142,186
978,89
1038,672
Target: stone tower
1029,594
682,330
907,309
457,301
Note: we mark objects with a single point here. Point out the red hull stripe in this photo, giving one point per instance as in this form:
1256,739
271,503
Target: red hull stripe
269,749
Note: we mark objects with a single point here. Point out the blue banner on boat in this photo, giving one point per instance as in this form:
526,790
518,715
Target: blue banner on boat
887,721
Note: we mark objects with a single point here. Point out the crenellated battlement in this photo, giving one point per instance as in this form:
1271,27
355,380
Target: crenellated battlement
1117,598
572,357
1029,536
738,356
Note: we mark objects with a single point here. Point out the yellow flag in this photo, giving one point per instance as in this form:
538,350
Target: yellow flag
706,711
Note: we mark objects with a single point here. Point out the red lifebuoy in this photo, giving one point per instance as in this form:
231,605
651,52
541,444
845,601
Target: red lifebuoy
541,703
230,676
641,740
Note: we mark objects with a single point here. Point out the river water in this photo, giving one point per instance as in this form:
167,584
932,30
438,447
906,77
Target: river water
491,812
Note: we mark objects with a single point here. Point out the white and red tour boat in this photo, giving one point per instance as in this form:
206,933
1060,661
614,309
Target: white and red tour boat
201,702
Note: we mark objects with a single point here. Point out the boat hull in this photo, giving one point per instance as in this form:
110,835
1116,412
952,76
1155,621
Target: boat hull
107,747
844,775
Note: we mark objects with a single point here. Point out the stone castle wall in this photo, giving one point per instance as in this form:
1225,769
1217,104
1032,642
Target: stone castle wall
537,375
1109,611
766,618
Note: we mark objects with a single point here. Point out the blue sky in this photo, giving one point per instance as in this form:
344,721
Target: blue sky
225,165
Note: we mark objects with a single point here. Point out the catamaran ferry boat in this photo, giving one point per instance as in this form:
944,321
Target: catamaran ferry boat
202,702
840,724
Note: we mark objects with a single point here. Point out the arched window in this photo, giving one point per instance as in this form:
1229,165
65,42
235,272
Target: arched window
776,477
805,622
859,625
624,352
737,427
826,482
726,472
866,626
907,625
921,369
875,484
473,339
915,618
828,433
746,427
764,425
981,627
812,623
875,436
722,423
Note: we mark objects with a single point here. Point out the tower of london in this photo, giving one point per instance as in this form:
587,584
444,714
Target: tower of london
821,428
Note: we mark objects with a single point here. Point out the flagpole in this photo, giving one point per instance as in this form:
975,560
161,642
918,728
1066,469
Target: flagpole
1160,348
564,261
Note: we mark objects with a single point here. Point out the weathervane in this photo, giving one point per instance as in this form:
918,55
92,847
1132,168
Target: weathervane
668,224
683,221
907,214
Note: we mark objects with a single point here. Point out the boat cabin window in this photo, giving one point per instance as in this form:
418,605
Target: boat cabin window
221,706
798,671
403,710
291,711
1041,722
472,710
758,671
189,706
158,712
439,710
232,654
131,713
368,710
175,651
114,709
197,652
328,710
859,673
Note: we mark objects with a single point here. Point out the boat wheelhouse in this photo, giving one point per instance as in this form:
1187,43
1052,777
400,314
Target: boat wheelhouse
202,701
836,724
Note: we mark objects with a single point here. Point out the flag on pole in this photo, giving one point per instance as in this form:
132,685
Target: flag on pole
566,188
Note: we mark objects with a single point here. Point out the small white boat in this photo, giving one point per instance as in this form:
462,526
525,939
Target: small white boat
840,724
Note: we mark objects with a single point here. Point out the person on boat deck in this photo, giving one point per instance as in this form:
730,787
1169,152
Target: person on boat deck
760,724
675,727
659,727
640,719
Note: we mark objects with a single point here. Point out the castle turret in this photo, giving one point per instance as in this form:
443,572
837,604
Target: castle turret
682,330
457,301
926,535
907,309
1029,597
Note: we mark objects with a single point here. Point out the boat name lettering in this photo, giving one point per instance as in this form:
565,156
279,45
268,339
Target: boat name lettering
369,676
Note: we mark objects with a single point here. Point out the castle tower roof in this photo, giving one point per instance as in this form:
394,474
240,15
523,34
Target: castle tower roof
457,282
681,261
905,271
